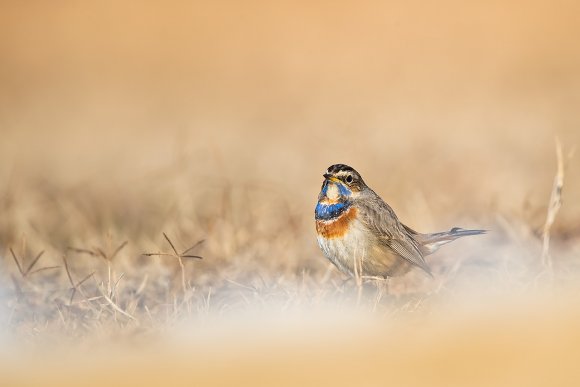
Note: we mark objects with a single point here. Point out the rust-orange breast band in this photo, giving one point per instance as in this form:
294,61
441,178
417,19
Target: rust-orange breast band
337,227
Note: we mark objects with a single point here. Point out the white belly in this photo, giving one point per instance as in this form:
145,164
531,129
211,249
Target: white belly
348,249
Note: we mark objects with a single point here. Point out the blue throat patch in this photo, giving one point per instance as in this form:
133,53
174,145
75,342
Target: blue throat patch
342,189
330,211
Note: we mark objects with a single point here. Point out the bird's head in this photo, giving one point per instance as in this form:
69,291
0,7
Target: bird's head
341,183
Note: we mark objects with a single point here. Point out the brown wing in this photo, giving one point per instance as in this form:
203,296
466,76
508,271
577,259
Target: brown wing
409,251
382,221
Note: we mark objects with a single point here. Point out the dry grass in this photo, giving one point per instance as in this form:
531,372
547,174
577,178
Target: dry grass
123,148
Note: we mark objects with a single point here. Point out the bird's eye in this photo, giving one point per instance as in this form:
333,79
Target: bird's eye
349,179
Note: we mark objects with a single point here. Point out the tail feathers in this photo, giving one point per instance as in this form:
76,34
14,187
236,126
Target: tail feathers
429,243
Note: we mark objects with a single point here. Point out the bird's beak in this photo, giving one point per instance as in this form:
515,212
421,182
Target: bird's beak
328,176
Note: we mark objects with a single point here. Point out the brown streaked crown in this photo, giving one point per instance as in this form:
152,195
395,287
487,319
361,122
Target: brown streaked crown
346,174
334,169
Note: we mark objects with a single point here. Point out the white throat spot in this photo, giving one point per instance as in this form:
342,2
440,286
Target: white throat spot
332,192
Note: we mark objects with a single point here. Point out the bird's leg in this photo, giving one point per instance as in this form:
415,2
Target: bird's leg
382,285
357,274
346,281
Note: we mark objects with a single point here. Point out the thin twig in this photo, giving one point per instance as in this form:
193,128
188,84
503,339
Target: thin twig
171,244
17,263
44,268
84,251
34,262
74,287
118,250
99,252
193,247
29,271
553,206
117,308
178,256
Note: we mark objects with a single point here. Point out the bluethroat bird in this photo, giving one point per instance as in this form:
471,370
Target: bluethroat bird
361,235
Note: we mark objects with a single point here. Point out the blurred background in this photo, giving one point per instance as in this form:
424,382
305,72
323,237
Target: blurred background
409,94
214,121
